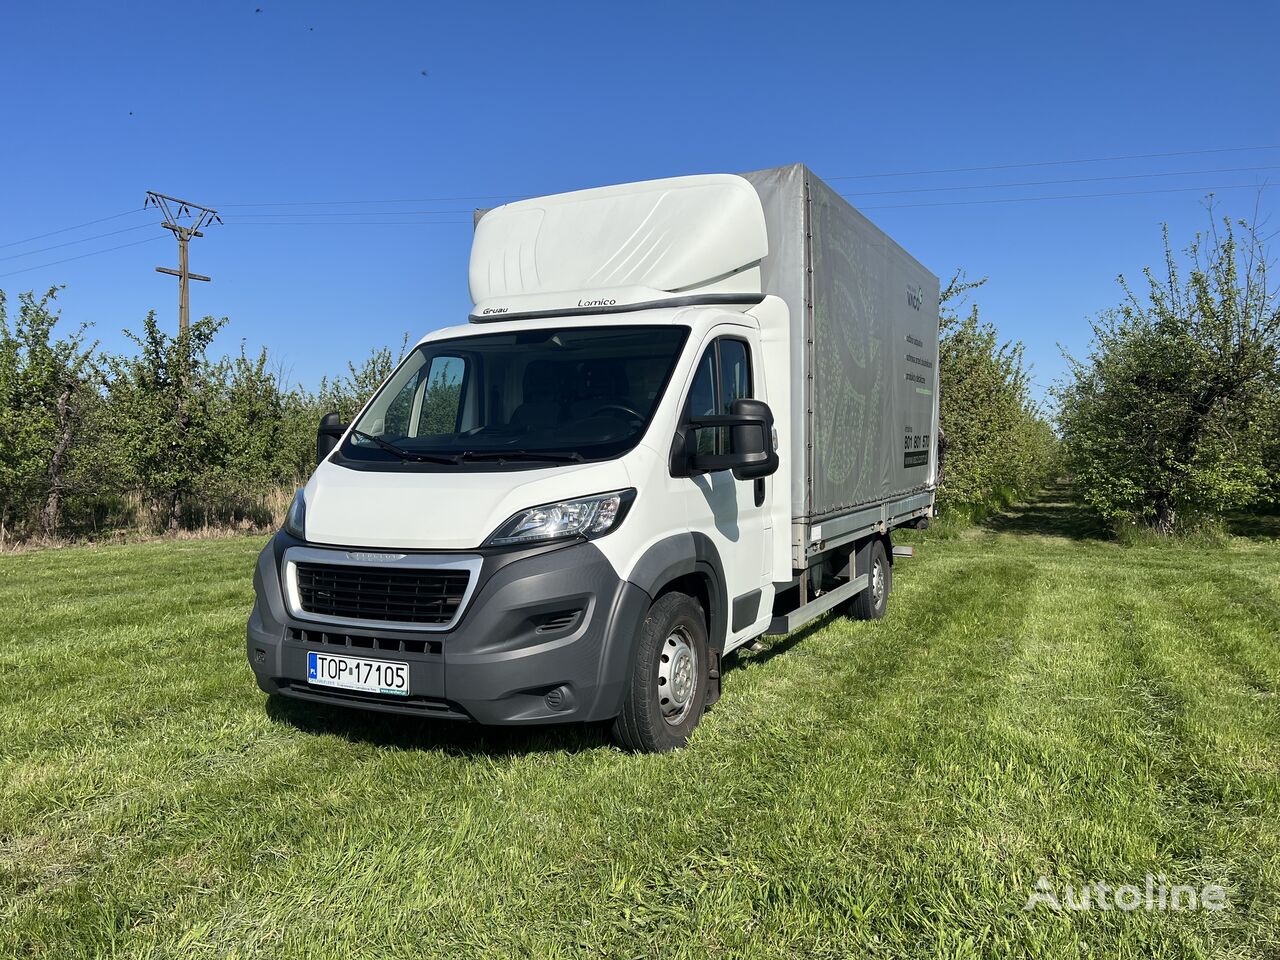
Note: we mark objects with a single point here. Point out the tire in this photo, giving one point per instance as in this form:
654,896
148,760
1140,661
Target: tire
872,602
667,693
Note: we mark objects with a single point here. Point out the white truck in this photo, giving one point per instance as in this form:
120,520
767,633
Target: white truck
684,414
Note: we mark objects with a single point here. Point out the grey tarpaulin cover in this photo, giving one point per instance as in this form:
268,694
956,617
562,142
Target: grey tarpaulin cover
864,390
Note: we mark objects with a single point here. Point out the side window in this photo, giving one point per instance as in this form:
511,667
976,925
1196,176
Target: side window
724,375
735,373
395,422
441,396
702,398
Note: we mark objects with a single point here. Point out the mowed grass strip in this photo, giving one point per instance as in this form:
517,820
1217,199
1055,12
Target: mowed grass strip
1038,703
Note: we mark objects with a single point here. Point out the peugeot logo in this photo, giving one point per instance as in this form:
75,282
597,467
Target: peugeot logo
375,557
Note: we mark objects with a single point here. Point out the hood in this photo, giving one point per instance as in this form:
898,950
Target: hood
443,510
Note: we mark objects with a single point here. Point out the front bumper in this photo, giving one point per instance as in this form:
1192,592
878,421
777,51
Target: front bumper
547,637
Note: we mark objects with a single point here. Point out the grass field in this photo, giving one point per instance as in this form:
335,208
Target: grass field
1038,702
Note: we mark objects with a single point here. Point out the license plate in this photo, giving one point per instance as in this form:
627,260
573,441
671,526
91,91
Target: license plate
356,673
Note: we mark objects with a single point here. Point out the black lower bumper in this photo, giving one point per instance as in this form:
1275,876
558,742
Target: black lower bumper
547,637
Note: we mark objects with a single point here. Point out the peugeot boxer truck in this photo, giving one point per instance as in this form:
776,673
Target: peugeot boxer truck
683,414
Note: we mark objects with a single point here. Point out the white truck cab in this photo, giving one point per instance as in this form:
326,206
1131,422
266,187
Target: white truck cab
573,506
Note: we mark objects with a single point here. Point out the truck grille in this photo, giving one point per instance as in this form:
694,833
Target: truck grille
374,593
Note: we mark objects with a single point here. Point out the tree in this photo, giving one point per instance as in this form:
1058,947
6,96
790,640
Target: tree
444,396
251,422
348,393
1171,415
994,443
46,384
163,405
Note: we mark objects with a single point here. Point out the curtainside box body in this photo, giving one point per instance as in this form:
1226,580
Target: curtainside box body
864,355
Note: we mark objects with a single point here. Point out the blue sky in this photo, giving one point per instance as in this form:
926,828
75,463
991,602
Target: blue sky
265,108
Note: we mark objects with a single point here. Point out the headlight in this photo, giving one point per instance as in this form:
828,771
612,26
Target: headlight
295,520
588,517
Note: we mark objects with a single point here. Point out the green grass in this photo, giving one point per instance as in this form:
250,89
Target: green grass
1039,701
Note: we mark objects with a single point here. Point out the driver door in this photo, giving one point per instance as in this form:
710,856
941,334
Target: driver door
729,511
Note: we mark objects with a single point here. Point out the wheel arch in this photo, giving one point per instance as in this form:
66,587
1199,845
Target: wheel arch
688,563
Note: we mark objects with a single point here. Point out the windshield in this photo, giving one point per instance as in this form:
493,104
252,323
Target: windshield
532,397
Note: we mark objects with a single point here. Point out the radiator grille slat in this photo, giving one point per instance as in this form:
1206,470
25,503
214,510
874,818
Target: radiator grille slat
372,593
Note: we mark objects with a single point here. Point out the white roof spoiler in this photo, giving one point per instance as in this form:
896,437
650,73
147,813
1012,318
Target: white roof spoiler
628,247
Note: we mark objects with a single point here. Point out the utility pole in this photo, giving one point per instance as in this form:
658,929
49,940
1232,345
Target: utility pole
200,217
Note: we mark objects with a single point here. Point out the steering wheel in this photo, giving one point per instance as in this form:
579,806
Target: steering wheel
617,406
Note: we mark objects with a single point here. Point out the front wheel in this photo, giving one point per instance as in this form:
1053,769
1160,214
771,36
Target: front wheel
668,689
872,602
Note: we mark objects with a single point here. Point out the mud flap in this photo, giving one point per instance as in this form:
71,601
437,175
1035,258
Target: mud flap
713,679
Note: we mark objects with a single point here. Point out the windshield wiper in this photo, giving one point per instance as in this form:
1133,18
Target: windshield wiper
503,455
404,454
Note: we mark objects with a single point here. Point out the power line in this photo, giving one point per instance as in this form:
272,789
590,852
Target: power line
90,223
867,176
381,223
861,176
1041,183
892,206
336,203
867,193
858,176
342,223
1053,163
72,243
354,213
1068,196
93,253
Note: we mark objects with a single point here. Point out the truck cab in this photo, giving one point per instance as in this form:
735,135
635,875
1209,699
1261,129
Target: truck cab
571,507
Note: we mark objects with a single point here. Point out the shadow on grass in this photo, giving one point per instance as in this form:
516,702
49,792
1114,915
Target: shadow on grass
458,738
463,739
743,656
1054,513
1260,524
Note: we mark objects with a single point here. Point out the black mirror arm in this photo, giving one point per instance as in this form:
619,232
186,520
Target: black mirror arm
745,465
749,461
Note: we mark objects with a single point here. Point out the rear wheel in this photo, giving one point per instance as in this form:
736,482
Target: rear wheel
668,689
872,602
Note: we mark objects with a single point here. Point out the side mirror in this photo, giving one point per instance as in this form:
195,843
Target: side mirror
328,434
741,442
